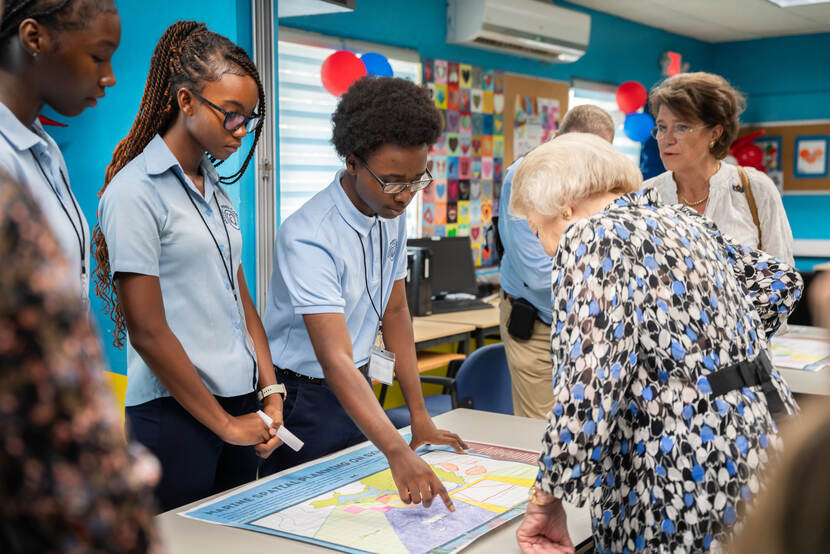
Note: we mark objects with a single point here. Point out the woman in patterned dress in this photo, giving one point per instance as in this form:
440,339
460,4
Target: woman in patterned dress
664,392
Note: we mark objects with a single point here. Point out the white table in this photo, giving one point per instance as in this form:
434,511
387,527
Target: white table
184,535
806,382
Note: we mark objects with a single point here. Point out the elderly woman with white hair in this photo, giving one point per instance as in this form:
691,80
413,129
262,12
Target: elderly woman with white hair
664,392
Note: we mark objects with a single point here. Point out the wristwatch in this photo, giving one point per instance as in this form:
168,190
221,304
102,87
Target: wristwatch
263,393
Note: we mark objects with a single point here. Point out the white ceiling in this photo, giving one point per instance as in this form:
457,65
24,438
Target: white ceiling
719,20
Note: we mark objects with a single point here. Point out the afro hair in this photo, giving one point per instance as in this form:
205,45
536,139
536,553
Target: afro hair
384,110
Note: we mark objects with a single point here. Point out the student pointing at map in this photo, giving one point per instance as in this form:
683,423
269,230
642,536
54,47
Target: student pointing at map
337,312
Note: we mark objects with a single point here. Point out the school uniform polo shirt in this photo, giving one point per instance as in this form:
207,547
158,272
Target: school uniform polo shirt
21,150
152,228
319,269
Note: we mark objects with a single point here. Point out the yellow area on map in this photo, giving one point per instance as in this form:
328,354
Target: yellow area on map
365,532
385,484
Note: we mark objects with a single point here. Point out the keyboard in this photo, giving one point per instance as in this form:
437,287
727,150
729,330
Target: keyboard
459,305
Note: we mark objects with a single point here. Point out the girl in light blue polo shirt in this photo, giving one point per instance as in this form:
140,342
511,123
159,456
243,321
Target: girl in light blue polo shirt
56,54
168,250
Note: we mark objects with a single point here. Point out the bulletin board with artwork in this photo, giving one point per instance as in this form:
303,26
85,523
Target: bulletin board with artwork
802,155
533,108
467,161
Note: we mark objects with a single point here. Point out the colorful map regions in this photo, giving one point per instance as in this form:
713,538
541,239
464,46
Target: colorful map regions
368,515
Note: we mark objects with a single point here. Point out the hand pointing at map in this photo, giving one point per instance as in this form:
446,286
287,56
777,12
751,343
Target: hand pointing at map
416,481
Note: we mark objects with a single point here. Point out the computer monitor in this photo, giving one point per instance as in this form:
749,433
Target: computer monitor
452,264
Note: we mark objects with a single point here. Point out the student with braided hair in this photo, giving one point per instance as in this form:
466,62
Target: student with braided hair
53,53
168,250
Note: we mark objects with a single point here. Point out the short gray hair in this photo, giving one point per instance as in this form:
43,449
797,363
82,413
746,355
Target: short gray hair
588,118
567,169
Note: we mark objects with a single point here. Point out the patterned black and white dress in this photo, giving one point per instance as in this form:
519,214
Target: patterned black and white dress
648,300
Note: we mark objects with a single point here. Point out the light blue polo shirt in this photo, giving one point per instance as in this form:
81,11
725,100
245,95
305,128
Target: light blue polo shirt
152,228
318,269
19,146
525,270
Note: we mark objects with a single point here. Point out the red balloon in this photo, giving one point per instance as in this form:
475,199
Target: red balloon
340,70
751,155
631,96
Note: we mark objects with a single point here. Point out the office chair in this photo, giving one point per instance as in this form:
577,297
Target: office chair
480,382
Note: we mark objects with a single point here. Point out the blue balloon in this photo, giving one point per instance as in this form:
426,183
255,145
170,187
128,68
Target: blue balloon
638,126
376,64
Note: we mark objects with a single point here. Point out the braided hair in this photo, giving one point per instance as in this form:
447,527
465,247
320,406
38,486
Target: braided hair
186,56
57,14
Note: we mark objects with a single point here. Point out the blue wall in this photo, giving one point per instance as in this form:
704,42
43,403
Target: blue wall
619,49
784,78
87,143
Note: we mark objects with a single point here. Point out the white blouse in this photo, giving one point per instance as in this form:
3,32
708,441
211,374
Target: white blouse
729,209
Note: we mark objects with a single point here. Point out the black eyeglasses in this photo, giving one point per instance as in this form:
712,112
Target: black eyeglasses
395,188
233,120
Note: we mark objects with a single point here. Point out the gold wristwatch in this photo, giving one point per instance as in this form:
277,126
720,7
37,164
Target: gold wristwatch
265,392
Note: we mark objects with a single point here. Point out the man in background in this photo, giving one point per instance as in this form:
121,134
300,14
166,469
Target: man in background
525,274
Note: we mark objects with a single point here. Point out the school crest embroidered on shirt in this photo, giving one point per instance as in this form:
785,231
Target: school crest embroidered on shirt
393,248
230,216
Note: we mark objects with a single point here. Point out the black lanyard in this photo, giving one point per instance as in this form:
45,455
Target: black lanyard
80,234
366,272
216,242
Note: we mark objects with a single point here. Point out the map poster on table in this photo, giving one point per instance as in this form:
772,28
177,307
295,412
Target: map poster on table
350,503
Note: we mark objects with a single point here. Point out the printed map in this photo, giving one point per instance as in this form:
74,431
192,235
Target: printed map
365,514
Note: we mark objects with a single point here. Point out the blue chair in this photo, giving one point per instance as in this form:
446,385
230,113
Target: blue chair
481,382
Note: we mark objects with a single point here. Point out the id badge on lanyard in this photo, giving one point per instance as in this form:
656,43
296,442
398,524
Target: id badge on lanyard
381,362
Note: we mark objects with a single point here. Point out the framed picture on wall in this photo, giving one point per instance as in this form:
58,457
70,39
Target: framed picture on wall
810,155
771,149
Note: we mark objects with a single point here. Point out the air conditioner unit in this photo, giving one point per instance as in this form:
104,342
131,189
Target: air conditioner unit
529,28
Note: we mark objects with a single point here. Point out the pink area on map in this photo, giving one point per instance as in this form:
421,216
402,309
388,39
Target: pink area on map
384,499
353,509
381,508
476,470
449,467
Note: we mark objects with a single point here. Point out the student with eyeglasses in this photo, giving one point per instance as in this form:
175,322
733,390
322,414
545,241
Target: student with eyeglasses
338,285
54,53
169,270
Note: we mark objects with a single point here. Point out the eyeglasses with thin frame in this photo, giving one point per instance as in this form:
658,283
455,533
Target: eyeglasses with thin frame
233,120
395,188
680,131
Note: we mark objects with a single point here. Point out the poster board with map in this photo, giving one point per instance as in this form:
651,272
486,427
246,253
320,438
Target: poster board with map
350,503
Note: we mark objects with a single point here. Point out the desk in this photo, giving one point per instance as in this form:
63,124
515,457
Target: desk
427,361
429,333
183,535
484,321
806,382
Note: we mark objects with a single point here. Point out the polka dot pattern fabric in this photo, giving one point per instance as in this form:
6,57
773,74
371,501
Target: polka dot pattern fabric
648,300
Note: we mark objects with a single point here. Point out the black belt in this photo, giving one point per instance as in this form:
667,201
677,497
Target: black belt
364,369
747,374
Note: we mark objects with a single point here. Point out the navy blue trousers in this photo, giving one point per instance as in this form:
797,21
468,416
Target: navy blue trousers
312,412
195,462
